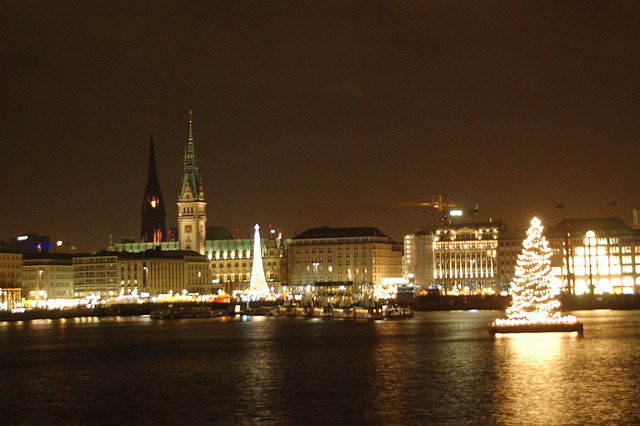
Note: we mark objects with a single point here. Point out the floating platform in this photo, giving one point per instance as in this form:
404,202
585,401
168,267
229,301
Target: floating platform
536,328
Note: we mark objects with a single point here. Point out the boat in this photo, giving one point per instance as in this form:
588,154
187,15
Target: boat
368,313
301,311
156,314
197,312
342,312
321,312
345,312
397,311
168,313
560,327
261,311
287,311
209,313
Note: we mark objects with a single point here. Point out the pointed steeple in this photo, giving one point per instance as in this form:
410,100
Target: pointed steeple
153,214
191,170
152,178
192,216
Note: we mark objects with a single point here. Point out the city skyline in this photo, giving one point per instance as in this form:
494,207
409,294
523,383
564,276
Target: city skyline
518,108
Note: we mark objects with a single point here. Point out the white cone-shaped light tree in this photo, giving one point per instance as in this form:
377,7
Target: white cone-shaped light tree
258,286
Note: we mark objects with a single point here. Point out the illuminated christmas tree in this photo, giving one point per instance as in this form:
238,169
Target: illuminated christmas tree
533,300
258,287
534,309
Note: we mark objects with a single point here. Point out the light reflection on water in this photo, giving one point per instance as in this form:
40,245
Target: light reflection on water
533,374
440,367
567,378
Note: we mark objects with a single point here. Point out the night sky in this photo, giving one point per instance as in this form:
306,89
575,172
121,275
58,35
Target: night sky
516,106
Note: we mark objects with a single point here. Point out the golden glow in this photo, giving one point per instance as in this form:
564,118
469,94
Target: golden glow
532,288
258,287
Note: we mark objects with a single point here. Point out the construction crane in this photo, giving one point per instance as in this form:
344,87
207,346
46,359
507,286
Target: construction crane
438,202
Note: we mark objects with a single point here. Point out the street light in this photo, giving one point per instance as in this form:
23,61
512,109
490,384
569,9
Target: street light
590,240
145,279
315,265
42,292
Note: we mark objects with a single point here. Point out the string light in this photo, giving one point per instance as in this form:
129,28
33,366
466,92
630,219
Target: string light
258,287
533,301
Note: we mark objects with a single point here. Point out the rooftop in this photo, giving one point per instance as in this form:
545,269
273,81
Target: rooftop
329,232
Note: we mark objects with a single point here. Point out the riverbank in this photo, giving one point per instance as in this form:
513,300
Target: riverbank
124,309
588,302
437,302
432,302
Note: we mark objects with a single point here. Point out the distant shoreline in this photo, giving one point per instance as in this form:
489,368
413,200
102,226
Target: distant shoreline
419,303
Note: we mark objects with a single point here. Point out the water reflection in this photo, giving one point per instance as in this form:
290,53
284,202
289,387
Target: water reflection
434,368
257,369
394,364
566,378
533,372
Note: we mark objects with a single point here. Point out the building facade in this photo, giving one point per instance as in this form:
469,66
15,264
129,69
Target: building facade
230,259
595,255
599,252
47,277
146,274
96,275
10,269
231,262
454,258
10,279
509,247
418,260
361,257
466,257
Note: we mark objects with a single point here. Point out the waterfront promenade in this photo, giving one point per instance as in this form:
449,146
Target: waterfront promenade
418,303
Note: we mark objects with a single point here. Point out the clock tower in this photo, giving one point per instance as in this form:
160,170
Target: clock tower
192,217
153,214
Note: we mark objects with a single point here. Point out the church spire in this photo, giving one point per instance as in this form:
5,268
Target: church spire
152,178
153,214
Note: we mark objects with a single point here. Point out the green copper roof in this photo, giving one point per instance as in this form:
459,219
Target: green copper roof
191,177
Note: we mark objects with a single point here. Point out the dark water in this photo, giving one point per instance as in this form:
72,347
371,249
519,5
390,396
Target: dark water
439,367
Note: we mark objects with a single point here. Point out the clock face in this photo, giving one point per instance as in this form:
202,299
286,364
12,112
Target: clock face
187,229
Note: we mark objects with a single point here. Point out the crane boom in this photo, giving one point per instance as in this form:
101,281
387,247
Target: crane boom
422,205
